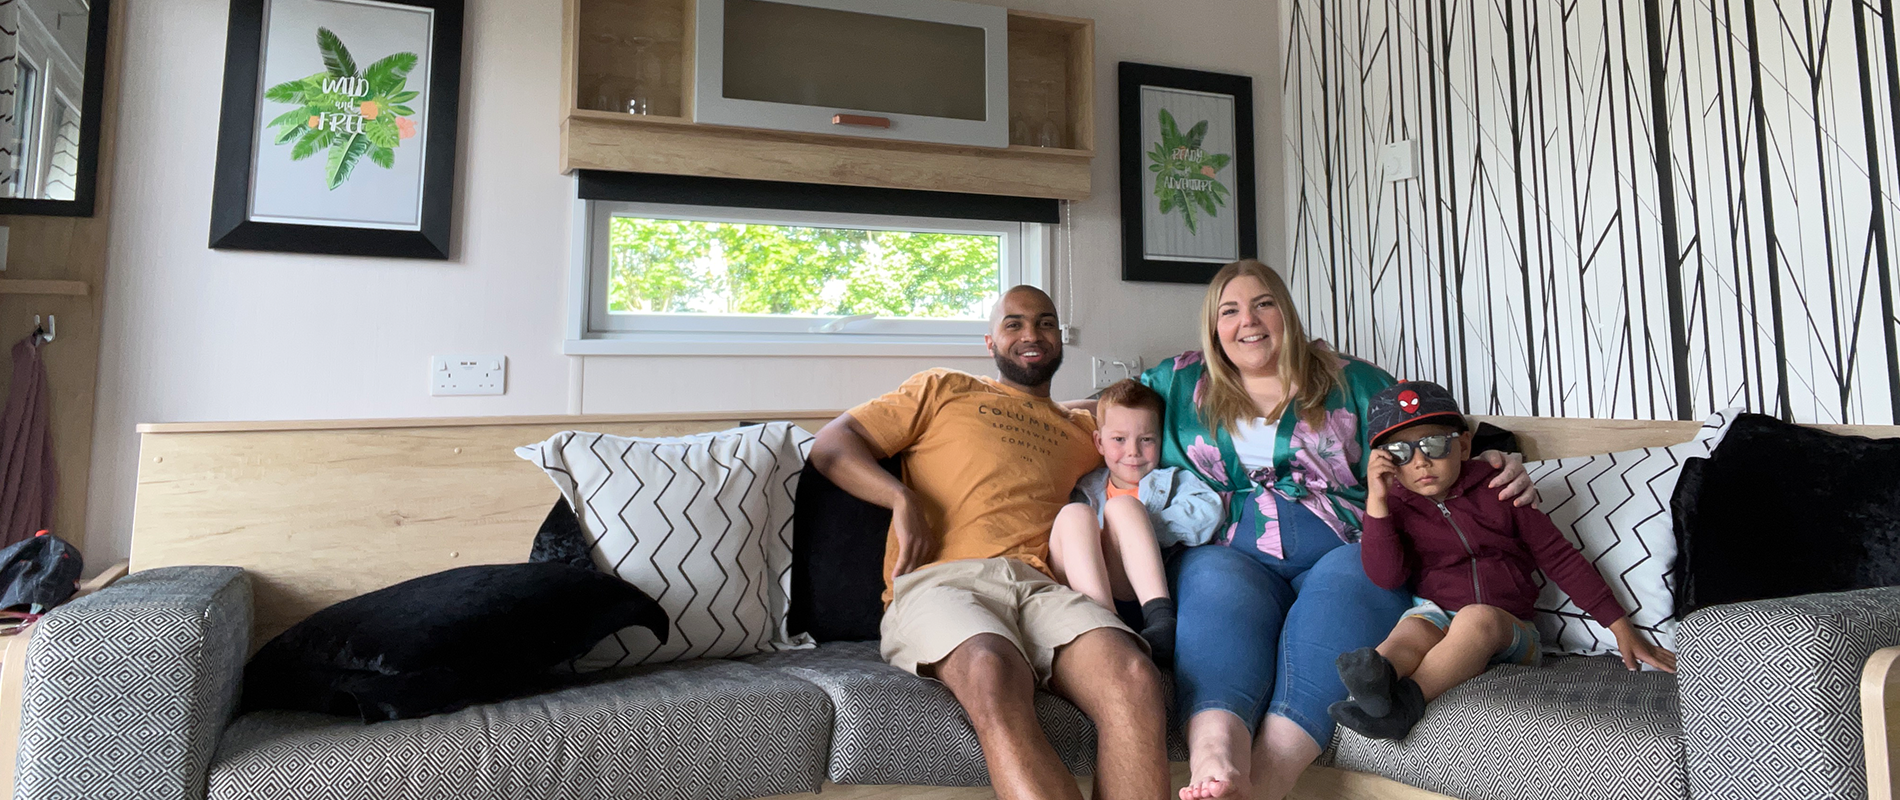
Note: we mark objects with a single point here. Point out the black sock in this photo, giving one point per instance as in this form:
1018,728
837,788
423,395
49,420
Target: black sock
1370,679
1157,627
1408,706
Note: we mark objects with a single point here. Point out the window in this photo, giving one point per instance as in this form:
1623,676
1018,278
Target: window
63,166
26,125
709,280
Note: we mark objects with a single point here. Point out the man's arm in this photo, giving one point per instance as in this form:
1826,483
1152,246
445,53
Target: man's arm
844,453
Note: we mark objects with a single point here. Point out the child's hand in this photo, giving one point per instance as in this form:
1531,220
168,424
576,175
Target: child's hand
1636,649
1380,472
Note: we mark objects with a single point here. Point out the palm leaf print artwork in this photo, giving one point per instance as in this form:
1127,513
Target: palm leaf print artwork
1186,175
349,111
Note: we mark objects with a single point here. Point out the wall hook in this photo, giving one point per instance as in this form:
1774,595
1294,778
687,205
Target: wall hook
45,331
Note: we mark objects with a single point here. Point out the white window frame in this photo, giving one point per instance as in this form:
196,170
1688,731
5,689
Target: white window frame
592,330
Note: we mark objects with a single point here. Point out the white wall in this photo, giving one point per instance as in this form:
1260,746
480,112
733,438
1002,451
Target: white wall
193,334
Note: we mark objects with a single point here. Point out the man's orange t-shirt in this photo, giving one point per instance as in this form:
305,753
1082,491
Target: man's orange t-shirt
991,465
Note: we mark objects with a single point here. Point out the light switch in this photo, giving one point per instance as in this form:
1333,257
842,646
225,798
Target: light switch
466,375
1399,160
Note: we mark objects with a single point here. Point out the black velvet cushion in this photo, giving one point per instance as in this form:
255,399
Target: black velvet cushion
1492,437
561,539
837,560
1779,510
444,641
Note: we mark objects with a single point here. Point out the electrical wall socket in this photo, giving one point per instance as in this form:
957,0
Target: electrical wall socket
1104,371
461,375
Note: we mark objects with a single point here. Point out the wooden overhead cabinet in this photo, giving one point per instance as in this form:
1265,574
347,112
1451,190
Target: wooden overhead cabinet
630,86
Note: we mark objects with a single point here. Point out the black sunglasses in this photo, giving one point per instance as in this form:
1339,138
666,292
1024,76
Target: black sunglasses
1434,448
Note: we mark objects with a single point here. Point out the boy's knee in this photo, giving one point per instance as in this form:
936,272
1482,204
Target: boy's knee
1491,622
1075,524
1126,504
1076,514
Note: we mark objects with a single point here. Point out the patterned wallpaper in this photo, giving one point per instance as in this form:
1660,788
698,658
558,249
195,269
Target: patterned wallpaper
1639,210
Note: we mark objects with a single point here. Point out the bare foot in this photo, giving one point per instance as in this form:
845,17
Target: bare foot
1221,785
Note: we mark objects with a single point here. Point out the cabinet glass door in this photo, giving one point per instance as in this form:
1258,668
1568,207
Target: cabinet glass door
925,70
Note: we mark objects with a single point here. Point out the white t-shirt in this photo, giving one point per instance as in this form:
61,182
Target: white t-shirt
1254,442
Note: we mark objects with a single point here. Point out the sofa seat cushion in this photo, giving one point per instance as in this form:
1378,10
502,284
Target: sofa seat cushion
1578,727
893,727
703,729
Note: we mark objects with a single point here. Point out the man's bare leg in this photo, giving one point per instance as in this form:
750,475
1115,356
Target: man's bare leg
1104,673
997,689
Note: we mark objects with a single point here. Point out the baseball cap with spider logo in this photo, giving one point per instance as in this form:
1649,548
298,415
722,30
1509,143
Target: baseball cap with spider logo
1409,403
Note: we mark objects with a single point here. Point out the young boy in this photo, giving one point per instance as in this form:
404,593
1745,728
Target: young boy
1107,544
1468,556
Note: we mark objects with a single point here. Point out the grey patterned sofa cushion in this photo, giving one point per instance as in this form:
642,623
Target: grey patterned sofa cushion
896,728
1770,693
717,730
127,689
1577,727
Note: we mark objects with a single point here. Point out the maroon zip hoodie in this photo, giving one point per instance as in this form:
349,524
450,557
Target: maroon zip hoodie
1475,548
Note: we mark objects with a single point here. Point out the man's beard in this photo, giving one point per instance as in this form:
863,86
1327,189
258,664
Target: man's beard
1030,375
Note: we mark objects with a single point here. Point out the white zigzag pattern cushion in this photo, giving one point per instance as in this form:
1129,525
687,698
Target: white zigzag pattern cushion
701,523
1615,508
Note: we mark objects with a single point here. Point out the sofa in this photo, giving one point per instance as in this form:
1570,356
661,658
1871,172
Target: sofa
130,692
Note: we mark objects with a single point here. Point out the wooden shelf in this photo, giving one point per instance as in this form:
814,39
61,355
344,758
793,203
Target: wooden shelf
1051,61
70,288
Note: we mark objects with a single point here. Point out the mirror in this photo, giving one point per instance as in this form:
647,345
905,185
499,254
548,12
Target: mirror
52,56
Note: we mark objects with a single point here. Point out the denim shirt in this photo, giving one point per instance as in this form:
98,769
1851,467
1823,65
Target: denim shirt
1183,508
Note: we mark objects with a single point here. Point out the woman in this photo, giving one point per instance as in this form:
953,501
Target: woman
1273,419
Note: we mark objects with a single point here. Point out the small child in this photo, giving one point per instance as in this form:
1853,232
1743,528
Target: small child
1107,544
1446,532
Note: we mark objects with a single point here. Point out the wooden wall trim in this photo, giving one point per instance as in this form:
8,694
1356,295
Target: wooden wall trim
473,422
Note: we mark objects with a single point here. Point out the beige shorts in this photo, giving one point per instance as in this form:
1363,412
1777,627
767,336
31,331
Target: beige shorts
937,608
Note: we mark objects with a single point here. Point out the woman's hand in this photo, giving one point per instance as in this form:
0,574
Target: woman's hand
1516,483
1635,648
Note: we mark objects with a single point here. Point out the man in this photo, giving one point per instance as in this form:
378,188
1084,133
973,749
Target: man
987,466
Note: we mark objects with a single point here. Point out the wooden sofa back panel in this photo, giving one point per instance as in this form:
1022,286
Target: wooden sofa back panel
1564,437
322,512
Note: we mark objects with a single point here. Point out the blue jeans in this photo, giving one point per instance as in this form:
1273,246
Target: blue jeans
1259,634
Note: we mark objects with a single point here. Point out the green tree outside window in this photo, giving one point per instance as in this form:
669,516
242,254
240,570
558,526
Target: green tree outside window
683,266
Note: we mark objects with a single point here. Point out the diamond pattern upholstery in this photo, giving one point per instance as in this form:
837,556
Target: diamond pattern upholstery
704,730
1578,727
127,689
1771,693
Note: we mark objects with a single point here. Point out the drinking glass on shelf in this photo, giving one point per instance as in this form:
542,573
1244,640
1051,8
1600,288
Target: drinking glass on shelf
640,99
608,93
1048,133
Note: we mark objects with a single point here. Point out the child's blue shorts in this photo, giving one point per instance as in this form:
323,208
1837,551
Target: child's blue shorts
1525,648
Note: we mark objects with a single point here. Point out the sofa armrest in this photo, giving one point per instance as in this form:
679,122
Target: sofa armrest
128,689
1770,693
1880,721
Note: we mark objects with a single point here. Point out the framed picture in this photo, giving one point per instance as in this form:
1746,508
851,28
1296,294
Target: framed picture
1187,173
338,129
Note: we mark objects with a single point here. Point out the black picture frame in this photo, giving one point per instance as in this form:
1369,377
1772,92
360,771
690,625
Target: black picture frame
231,225
91,105
1137,263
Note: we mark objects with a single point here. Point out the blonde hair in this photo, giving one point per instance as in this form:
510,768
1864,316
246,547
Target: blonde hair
1130,393
1309,373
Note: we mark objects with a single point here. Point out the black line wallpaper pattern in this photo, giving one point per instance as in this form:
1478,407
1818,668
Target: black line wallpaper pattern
1637,210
